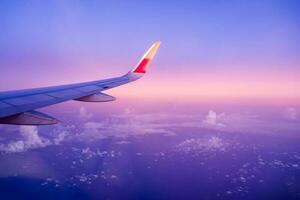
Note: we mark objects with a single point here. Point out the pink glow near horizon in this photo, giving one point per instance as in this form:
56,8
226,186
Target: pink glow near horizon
184,84
230,84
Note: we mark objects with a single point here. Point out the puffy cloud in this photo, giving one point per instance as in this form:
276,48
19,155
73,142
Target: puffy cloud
291,113
31,140
213,119
62,136
231,122
13,147
84,114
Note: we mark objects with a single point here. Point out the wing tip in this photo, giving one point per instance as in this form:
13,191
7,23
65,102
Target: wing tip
143,64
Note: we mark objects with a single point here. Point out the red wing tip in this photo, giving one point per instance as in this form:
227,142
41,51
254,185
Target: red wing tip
141,68
147,58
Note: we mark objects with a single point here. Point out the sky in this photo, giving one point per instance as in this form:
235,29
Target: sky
220,104
209,48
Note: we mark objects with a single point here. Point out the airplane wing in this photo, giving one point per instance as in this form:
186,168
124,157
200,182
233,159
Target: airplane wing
18,107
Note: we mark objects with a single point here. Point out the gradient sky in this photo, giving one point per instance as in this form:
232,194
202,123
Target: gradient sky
209,48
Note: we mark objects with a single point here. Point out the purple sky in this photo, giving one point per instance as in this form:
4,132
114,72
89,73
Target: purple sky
209,48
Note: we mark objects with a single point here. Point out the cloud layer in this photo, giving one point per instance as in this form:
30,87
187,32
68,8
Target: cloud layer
131,124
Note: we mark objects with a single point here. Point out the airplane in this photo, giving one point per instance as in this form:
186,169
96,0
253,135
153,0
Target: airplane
19,107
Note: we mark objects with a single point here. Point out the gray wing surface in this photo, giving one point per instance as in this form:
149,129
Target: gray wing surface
25,100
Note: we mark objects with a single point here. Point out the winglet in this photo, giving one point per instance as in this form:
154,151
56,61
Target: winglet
143,64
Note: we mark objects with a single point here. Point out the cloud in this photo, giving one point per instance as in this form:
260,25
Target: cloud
31,140
213,119
122,129
291,113
13,147
84,114
232,122
92,130
202,145
127,124
62,136
130,123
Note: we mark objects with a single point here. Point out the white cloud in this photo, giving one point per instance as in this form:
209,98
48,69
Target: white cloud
131,123
213,119
91,130
60,137
103,129
84,114
31,140
291,113
202,145
231,122
127,124
13,147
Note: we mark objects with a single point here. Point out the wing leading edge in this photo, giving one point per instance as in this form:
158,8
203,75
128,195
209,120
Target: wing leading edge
17,107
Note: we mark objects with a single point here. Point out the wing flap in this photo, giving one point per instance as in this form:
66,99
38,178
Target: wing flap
100,97
29,118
